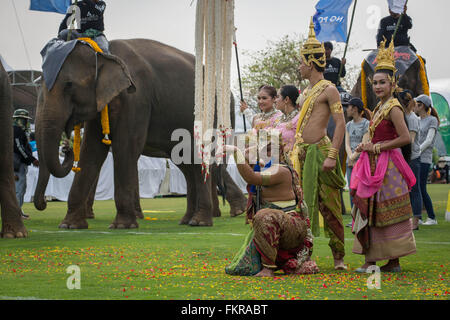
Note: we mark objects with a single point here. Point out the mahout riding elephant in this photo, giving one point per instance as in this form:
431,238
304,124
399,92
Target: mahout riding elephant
149,89
408,70
12,224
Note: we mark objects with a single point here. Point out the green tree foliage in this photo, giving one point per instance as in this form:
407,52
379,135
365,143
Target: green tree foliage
278,65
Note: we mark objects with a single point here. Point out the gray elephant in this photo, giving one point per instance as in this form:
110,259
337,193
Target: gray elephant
149,88
408,65
12,224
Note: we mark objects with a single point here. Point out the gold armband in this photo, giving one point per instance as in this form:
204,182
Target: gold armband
333,153
336,107
265,178
239,157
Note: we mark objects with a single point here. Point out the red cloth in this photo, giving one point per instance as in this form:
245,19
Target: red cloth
384,131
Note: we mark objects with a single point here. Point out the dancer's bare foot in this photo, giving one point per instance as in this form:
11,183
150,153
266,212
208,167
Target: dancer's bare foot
339,264
265,272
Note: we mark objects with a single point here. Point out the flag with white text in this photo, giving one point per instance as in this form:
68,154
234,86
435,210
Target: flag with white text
330,20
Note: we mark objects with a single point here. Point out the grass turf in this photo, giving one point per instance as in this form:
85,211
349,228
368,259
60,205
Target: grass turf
163,260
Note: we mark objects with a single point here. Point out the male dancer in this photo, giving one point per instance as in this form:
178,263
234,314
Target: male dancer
314,156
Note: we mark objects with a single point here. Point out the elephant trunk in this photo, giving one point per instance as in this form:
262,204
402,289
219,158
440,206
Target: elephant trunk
48,136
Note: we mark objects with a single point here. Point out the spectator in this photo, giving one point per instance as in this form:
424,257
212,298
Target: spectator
413,121
23,155
429,122
355,129
333,66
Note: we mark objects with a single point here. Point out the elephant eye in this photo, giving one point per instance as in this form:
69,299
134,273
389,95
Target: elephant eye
68,85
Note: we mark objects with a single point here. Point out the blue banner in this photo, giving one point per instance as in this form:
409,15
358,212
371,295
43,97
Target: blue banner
330,20
59,6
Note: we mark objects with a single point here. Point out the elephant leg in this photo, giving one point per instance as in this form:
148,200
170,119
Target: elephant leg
93,154
214,194
191,191
12,224
125,190
203,209
126,152
90,200
234,196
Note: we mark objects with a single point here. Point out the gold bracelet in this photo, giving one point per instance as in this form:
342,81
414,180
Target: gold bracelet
378,148
333,153
265,178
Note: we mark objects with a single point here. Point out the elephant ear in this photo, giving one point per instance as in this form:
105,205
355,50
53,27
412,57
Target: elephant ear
113,77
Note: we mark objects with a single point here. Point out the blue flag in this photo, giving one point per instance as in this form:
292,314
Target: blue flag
330,20
59,6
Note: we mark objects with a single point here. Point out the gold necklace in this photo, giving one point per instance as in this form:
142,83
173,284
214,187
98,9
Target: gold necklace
290,116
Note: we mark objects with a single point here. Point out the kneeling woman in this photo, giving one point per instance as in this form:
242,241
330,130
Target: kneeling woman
280,237
381,179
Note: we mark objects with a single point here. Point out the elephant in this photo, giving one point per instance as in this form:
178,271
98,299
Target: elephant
12,224
149,89
409,78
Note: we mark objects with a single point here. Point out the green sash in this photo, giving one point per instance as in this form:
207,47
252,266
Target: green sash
314,176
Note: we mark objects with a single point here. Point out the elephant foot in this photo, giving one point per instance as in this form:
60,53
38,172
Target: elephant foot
124,223
12,232
201,221
72,221
186,218
236,210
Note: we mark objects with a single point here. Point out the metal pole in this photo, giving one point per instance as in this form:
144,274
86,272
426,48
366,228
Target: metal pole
346,43
239,76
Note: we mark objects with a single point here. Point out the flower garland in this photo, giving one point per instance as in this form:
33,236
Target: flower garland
363,85
76,147
213,47
423,77
104,120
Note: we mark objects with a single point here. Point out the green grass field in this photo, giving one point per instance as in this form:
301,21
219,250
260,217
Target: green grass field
163,260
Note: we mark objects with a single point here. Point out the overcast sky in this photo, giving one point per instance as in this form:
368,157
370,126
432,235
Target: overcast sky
172,22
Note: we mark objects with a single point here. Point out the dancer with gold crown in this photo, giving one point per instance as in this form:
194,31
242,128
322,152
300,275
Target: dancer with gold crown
314,156
381,179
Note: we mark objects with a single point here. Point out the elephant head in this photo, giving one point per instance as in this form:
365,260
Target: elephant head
86,82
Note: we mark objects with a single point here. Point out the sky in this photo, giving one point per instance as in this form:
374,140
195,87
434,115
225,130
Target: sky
257,22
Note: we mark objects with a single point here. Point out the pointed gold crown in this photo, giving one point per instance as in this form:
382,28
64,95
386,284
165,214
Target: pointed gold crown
385,57
313,46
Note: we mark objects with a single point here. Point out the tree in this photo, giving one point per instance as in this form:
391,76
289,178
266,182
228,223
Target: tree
277,65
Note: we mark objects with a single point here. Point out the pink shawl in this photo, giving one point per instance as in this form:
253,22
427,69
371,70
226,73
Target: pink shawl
366,185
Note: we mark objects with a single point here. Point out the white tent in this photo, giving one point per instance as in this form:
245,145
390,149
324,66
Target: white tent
157,176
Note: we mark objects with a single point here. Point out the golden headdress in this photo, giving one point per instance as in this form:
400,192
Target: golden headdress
313,46
385,57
